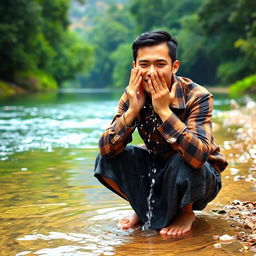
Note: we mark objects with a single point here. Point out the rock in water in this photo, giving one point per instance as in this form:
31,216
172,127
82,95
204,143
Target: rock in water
226,238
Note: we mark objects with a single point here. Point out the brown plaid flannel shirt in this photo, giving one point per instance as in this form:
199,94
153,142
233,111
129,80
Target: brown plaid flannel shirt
188,130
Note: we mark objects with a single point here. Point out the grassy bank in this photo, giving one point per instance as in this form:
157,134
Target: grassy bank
7,89
28,81
246,85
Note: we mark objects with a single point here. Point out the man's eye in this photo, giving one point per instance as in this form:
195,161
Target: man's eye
143,65
161,64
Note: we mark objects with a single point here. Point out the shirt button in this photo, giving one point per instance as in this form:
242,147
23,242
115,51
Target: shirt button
117,137
172,140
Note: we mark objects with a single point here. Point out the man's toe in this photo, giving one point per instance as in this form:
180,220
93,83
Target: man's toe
180,231
122,222
171,231
164,231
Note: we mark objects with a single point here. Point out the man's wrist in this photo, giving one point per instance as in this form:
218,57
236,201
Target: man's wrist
165,114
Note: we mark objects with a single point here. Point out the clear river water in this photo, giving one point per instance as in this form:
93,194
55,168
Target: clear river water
50,203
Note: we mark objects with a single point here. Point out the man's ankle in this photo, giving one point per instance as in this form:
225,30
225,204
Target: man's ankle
188,208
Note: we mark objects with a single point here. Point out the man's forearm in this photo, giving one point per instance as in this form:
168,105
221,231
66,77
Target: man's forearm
129,117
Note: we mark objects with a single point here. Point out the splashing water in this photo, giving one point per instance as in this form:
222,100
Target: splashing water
149,213
146,231
152,119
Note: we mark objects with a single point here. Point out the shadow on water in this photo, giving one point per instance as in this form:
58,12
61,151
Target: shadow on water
50,203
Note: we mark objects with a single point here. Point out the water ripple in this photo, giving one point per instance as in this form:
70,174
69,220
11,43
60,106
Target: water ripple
99,238
46,127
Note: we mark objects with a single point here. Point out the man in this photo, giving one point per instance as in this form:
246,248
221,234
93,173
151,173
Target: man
178,170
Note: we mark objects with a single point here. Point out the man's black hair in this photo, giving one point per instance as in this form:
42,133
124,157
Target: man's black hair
154,38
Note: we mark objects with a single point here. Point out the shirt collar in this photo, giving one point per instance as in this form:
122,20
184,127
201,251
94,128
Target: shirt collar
177,94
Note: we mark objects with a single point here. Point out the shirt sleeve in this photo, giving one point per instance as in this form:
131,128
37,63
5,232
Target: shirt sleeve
117,135
191,138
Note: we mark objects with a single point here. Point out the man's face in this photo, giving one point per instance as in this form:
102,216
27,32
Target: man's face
154,59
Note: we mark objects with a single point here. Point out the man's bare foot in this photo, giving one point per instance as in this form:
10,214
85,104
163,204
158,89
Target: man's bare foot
129,222
181,224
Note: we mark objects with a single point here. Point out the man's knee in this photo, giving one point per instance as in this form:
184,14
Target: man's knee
114,186
184,171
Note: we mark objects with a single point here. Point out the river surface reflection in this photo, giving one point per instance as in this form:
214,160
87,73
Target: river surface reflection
50,203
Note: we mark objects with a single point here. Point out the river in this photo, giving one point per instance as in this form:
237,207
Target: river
50,203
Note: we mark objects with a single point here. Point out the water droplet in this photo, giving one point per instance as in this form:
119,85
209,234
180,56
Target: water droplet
149,213
148,232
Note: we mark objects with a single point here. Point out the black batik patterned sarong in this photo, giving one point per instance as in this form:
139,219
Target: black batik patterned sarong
176,185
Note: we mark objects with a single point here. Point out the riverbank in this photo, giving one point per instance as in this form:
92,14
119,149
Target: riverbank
246,85
213,90
29,81
9,89
241,151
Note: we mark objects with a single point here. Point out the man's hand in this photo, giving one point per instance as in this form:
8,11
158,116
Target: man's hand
136,96
160,95
135,92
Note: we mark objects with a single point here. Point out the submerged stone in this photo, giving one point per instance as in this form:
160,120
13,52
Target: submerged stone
226,238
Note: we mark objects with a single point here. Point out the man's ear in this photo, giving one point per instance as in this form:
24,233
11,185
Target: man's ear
175,66
133,64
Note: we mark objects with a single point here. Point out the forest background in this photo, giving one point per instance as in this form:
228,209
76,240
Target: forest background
48,44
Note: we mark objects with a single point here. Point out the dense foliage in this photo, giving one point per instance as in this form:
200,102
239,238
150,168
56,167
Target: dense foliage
217,38
36,40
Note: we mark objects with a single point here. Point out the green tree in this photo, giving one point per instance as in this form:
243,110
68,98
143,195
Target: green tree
162,13
244,16
122,61
20,27
179,18
37,38
114,28
72,56
230,29
196,61
217,38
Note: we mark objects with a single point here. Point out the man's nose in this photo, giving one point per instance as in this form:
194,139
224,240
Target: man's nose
151,69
